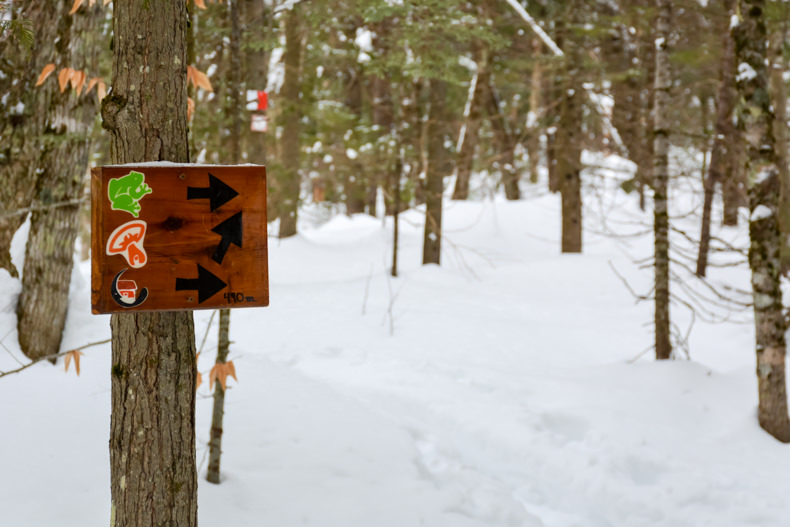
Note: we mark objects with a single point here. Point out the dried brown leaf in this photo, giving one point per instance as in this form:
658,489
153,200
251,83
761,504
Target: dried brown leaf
91,84
231,370
48,69
200,4
101,90
220,372
73,354
63,78
202,81
77,4
78,80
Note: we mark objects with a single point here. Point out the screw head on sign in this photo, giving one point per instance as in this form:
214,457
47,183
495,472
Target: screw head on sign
181,176
191,299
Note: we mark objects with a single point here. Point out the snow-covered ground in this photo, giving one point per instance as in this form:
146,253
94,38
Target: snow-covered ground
504,388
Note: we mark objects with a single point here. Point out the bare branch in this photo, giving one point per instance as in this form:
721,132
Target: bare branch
50,357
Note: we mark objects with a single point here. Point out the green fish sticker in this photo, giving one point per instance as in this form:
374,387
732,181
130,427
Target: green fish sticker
126,192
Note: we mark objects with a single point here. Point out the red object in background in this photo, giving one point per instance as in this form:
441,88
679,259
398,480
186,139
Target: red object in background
263,100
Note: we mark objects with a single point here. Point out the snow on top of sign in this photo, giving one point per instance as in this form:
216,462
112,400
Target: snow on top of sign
172,164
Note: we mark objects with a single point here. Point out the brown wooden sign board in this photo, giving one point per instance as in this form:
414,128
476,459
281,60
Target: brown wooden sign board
172,237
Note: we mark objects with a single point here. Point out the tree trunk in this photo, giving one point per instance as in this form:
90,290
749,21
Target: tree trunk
726,135
734,184
395,221
290,182
466,153
663,83
503,139
25,111
383,118
779,96
756,117
257,21
65,146
554,89
215,441
437,169
535,108
568,146
355,183
153,478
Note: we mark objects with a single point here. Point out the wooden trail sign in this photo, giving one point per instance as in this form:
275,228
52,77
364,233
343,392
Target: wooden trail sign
172,237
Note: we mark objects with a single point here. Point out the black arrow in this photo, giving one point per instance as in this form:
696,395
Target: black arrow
217,192
206,284
230,230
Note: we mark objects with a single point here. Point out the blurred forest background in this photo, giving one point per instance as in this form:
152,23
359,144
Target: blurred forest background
378,106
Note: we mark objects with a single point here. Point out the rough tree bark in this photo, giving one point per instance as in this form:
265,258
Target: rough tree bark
290,182
726,135
663,83
64,149
25,112
755,114
153,477
779,96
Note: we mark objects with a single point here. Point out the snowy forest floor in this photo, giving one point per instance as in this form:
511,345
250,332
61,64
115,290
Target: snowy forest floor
504,388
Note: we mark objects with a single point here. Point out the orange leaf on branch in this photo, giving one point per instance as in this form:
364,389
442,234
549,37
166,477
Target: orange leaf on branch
78,80
101,90
190,108
199,375
48,69
64,76
91,84
74,354
220,373
77,4
198,78
201,4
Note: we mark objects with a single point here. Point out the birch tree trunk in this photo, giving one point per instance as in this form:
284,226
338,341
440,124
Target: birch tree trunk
663,83
153,477
756,118
466,154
